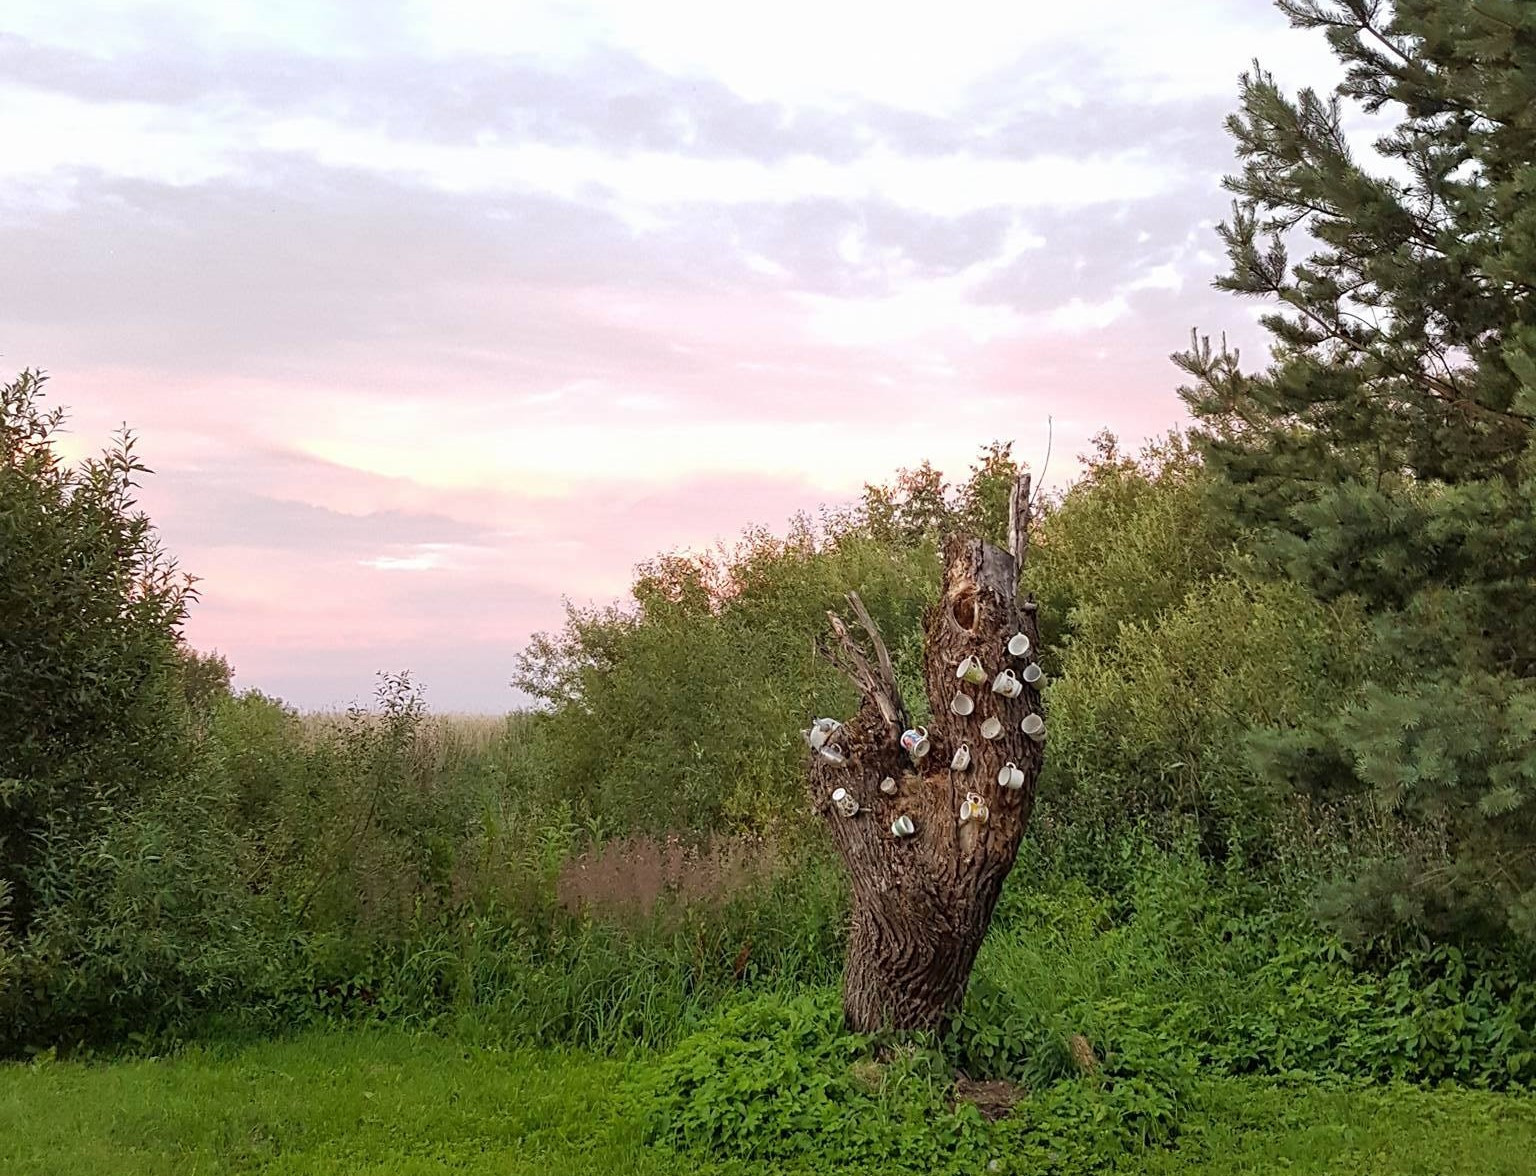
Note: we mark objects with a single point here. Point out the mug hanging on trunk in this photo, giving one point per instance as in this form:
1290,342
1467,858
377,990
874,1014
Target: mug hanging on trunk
971,670
915,742
973,808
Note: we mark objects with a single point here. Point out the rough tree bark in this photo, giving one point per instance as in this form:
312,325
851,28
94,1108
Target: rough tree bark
922,903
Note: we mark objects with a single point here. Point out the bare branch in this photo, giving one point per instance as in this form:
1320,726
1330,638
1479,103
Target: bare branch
887,670
1018,521
880,687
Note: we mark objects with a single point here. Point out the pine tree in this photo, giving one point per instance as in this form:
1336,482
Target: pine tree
1385,451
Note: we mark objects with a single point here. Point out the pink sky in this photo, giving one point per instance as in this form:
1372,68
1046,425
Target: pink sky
431,314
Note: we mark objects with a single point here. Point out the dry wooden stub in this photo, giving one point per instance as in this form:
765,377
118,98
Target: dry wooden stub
922,900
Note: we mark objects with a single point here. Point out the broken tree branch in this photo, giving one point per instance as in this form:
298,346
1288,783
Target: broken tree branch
878,687
887,671
1018,522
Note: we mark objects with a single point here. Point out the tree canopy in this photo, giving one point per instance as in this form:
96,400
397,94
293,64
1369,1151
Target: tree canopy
1384,454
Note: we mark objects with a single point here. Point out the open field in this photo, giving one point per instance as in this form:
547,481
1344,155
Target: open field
364,1102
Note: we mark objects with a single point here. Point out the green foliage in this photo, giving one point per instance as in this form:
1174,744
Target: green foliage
1385,453
1131,538
1170,965
682,709
340,1104
278,870
101,899
90,609
1155,724
1167,653
781,1080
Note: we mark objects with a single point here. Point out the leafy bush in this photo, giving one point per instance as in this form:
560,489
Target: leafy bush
680,709
781,1080
1129,539
1178,965
90,609
93,710
1157,724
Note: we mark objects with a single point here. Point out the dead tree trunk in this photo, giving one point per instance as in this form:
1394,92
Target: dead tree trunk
922,901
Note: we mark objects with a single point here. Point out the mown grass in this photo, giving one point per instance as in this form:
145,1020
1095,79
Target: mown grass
365,1103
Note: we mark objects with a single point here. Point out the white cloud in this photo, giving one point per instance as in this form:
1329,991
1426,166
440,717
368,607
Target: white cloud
45,133
940,185
920,308
913,56
1079,315
424,562
1160,277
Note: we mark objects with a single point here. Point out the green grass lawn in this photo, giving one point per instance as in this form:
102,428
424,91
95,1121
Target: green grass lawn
384,1102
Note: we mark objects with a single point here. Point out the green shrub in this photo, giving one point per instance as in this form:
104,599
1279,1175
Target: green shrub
92,707
1157,724
90,610
681,707
1179,964
778,1079
1128,540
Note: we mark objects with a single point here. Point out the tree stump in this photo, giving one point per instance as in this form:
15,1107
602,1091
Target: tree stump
922,902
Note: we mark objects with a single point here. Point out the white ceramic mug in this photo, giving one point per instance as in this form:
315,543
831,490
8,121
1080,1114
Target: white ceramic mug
845,802
832,755
1007,684
902,826
973,808
1034,727
1018,645
962,758
962,703
1010,776
820,731
916,742
971,670
1033,673
888,786
992,728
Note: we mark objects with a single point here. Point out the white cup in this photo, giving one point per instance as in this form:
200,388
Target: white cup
845,803
1007,684
1033,673
971,670
1018,645
992,728
1010,776
962,703
888,786
832,755
902,826
1034,727
820,731
973,808
962,758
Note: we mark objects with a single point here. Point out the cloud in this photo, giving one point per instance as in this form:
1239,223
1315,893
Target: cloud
431,313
